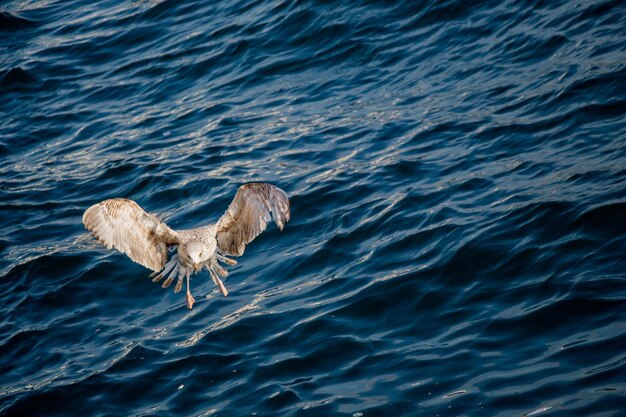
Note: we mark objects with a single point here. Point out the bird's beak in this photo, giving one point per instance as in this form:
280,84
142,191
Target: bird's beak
196,267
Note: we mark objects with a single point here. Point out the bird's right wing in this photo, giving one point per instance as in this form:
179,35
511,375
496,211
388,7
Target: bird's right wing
248,215
121,224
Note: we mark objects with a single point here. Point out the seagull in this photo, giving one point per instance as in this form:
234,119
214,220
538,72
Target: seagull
122,224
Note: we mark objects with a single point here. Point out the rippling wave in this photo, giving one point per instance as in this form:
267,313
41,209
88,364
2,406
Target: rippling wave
457,174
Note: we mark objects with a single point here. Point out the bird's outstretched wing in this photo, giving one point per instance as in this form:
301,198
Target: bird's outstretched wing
121,224
248,215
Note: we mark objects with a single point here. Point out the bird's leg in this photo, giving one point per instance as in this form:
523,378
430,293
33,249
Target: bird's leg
190,299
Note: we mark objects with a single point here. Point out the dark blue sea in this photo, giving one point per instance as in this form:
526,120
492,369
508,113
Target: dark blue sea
457,176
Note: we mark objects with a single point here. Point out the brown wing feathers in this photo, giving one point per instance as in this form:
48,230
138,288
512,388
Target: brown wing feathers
248,215
121,224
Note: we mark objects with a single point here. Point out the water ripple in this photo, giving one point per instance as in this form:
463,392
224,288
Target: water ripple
456,175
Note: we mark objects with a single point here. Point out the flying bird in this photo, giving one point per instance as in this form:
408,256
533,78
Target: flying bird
121,224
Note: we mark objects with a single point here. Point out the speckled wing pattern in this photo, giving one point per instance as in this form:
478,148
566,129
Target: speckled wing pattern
248,215
121,224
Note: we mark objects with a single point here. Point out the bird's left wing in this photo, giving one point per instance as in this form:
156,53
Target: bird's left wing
121,224
248,215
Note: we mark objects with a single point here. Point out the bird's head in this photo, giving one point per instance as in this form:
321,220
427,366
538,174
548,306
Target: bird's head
197,254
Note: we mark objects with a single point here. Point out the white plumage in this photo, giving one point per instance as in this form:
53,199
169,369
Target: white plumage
121,224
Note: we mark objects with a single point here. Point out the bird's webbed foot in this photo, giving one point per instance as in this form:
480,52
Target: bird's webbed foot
190,301
189,298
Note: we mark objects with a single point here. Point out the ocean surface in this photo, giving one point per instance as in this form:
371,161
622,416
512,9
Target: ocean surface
457,175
